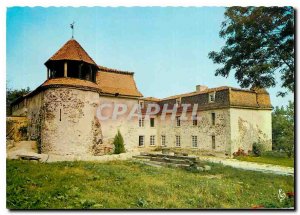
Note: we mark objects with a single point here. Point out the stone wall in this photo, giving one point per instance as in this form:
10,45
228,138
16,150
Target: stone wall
249,126
19,109
16,128
35,117
64,121
204,130
128,128
221,100
70,126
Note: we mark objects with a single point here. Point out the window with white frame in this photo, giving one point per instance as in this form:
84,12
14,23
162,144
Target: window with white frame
141,140
211,97
152,140
163,140
177,120
194,141
178,143
195,120
141,122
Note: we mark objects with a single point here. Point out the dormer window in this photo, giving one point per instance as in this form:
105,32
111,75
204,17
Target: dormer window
211,97
195,120
141,104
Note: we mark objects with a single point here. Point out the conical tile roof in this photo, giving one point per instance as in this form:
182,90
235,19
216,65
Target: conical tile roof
72,50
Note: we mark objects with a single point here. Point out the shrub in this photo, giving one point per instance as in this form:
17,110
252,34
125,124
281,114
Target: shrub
119,143
289,150
257,149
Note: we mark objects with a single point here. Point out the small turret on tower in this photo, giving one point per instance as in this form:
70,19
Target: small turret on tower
72,61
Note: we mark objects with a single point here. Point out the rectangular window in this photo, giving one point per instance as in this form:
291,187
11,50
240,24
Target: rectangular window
194,141
178,144
151,122
141,122
177,120
213,141
195,120
163,140
141,140
178,101
213,118
211,97
152,140
141,104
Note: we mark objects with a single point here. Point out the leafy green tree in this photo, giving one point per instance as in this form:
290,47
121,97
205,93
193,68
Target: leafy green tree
12,95
119,143
259,44
283,128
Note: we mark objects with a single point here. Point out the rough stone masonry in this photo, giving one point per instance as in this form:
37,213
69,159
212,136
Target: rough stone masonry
61,112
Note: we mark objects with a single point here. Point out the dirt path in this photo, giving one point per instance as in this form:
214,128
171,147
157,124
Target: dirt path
268,168
29,148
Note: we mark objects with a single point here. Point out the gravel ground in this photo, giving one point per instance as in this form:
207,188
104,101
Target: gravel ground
28,148
268,168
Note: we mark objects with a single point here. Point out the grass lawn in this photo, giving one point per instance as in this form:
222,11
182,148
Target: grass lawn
128,184
270,158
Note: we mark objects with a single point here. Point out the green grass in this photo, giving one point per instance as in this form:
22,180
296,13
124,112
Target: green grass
274,158
128,184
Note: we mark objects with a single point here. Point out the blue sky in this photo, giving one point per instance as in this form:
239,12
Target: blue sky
166,47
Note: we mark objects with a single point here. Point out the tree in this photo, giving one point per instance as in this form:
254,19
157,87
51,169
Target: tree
12,95
283,128
119,143
259,44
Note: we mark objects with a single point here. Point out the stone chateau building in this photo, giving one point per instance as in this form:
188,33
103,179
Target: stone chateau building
62,112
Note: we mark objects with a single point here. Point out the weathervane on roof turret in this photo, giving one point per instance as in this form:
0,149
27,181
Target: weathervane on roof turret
72,26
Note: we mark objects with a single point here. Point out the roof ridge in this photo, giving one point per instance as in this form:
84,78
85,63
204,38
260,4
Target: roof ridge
77,48
193,93
106,69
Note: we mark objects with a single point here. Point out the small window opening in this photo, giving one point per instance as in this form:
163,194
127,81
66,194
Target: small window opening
152,122
213,141
213,118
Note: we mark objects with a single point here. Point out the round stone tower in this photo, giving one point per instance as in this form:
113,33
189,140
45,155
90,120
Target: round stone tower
70,96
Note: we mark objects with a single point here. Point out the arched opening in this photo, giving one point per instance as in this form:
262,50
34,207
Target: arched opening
75,69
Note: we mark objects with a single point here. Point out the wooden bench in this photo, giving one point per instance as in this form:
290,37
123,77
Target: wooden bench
29,157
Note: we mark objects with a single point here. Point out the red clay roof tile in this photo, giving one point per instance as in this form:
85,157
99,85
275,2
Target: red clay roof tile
113,82
70,82
72,50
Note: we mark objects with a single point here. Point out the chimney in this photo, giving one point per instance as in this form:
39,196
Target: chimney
200,88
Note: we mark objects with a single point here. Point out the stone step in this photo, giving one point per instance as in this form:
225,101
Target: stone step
163,164
191,158
170,160
141,157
